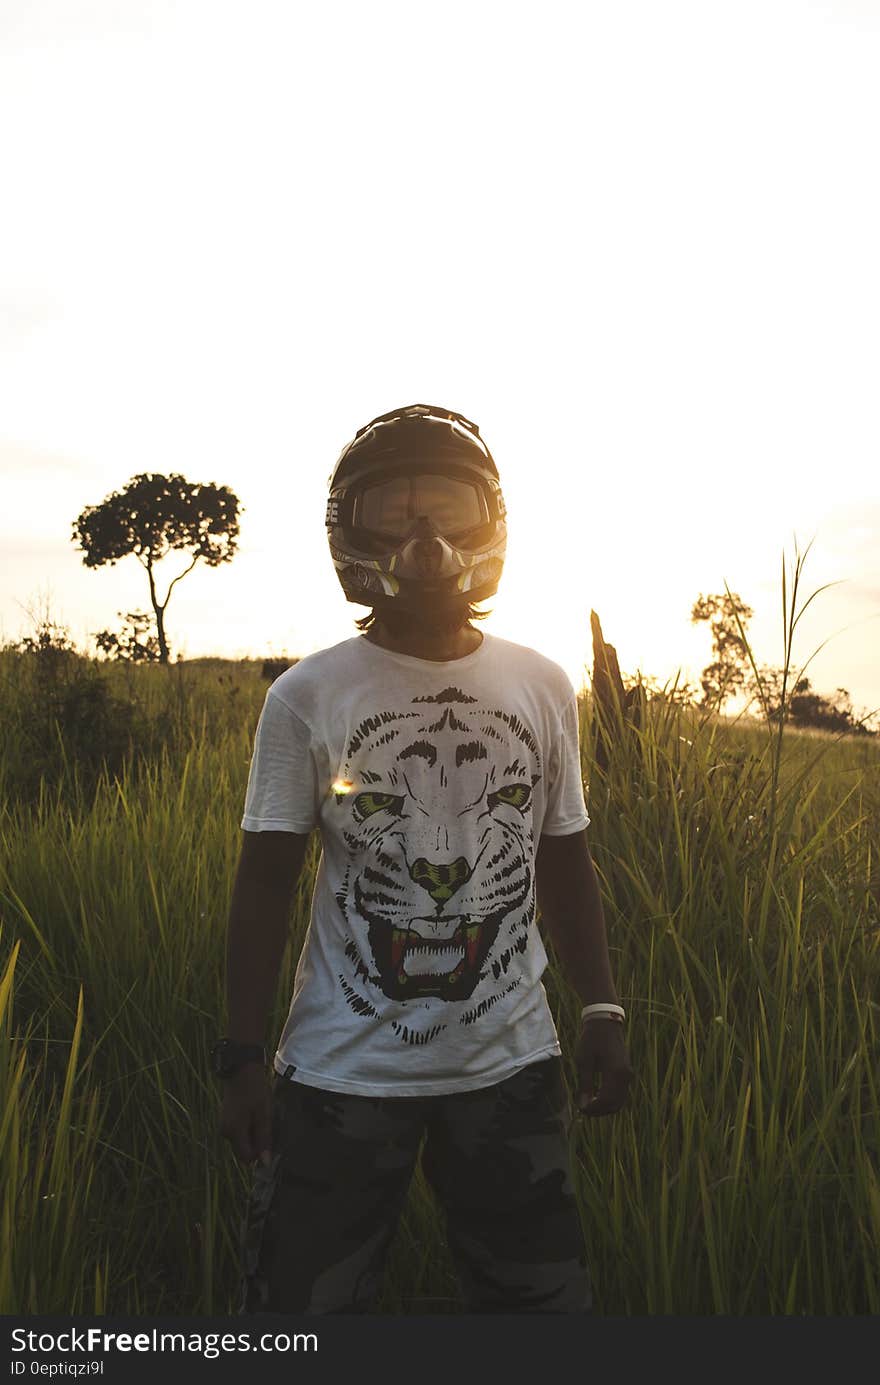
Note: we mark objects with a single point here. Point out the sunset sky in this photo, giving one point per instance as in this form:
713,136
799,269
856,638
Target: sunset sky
636,243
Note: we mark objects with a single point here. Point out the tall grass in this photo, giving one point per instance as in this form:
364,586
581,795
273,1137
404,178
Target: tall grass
739,868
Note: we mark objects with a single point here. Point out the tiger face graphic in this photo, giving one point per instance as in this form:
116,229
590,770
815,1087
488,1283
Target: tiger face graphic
438,893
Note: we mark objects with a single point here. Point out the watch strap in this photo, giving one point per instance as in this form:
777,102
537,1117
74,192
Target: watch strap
228,1056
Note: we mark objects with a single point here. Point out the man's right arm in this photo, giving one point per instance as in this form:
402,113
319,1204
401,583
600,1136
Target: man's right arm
268,869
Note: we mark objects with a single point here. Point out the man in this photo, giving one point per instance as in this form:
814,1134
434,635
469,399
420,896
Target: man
441,766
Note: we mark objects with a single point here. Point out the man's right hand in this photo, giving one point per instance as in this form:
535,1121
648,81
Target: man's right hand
246,1114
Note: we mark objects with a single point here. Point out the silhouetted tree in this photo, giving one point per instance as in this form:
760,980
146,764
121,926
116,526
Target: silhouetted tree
807,707
129,646
727,674
151,516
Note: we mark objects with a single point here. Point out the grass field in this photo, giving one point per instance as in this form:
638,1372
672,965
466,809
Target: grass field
740,883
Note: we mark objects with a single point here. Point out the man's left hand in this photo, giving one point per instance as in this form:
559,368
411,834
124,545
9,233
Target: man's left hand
601,1053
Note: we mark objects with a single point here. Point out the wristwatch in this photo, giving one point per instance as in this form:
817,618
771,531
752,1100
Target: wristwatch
227,1056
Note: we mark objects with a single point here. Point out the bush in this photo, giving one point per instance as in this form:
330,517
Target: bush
273,668
63,724
129,646
806,709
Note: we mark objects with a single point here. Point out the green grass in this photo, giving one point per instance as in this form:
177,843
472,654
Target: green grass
739,873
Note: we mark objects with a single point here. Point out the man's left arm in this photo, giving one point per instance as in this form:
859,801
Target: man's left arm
571,909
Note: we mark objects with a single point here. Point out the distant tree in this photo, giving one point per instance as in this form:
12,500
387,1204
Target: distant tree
727,673
771,683
152,515
129,646
807,708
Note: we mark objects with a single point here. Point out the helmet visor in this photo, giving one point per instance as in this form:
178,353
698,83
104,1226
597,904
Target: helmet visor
389,508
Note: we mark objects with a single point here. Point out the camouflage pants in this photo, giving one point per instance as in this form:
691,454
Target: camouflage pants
321,1215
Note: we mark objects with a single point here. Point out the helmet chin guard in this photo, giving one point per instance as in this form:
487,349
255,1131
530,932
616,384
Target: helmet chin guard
415,516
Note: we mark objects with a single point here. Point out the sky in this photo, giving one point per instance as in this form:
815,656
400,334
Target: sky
635,243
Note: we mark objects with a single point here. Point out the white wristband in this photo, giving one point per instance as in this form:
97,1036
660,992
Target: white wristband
606,1009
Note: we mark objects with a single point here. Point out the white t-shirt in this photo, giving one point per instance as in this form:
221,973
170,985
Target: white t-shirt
431,784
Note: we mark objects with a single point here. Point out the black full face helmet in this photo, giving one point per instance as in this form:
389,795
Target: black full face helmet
415,516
